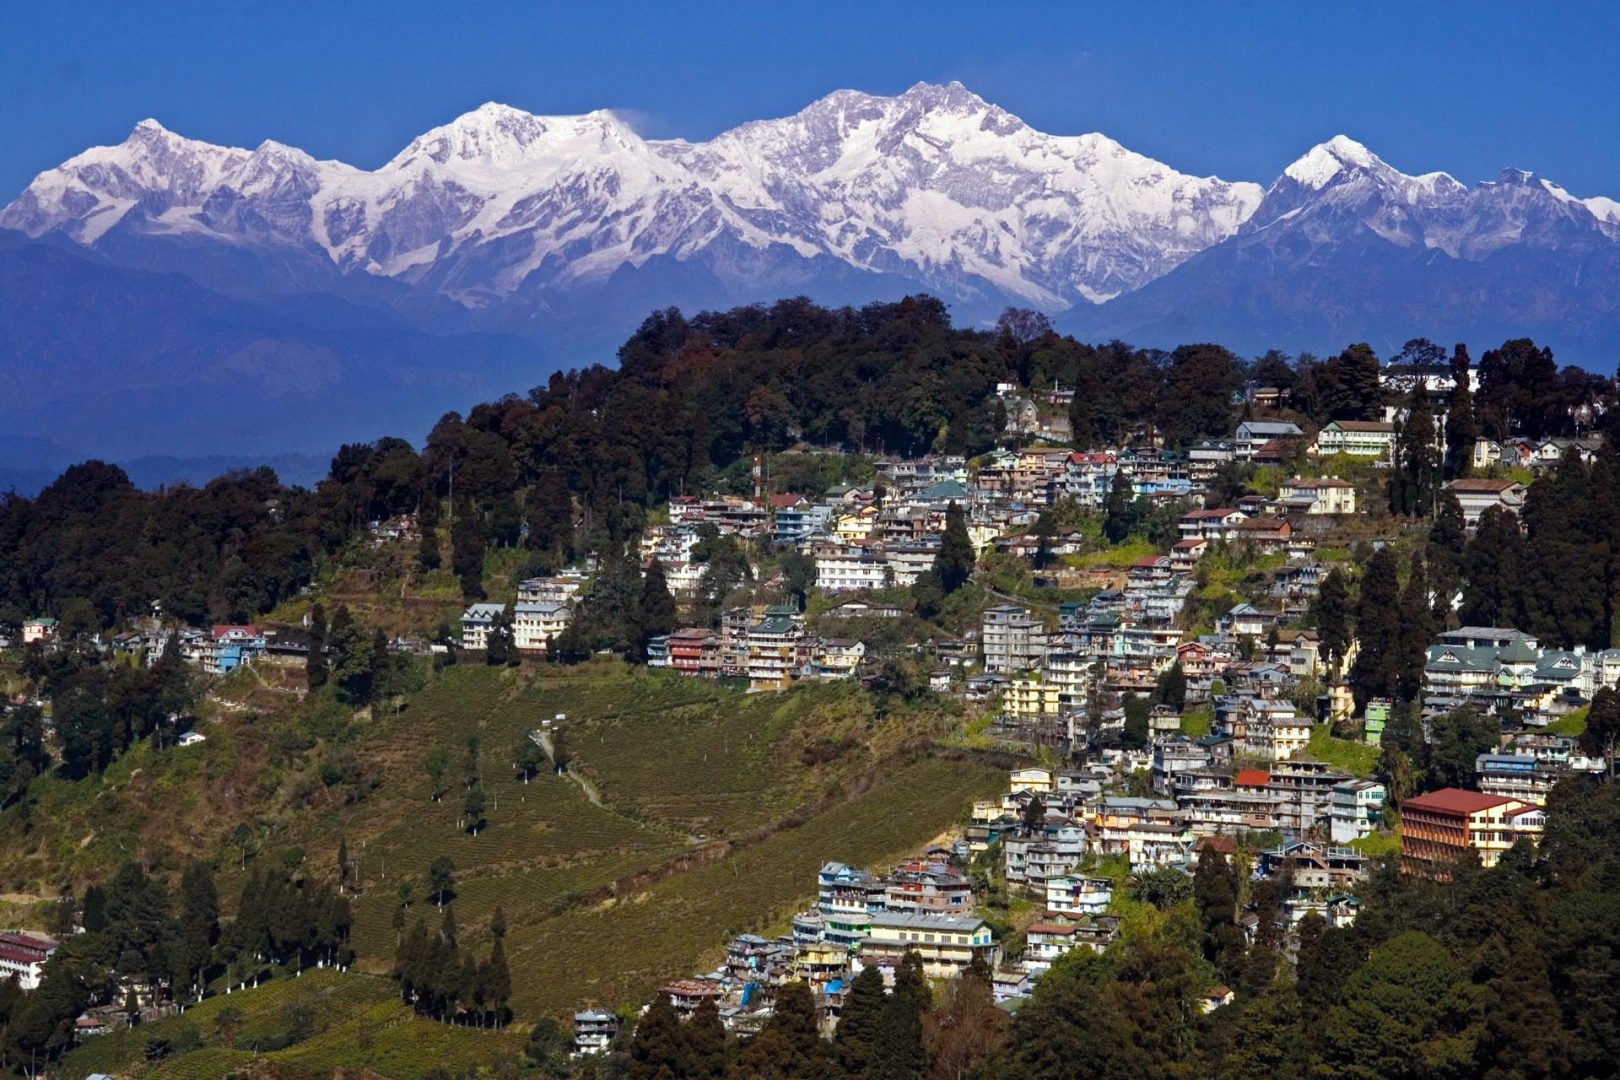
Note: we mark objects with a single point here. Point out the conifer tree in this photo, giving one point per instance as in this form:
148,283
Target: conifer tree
1462,430
656,1048
1377,663
657,612
1333,619
858,1023
1416,630
704,1053
789,1047
956,560
897,1050
315,663
497,981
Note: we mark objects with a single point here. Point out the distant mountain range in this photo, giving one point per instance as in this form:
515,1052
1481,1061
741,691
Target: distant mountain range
171,296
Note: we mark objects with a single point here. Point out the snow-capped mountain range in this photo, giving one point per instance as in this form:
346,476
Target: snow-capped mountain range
165,269
934,185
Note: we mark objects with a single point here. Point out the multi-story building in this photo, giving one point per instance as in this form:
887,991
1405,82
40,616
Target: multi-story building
23,956
1253,434
1439,826
1012,640
534,625
476,622
946,944
798,520
1073,894
594,1030
1517,776
1357,438
695,652
1355,809
773,649
1327,495
558,589
845,567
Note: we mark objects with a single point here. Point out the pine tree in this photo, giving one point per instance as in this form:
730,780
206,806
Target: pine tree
1462,430
1416,629
956,559
1493,572
315,664
343,861
1333,619
1215,895
897,1049
467,553
497,923
497,980
789,1047
1119,509
427,551
656,608
704,1053
655,1050
1378,628
1417,471
858,1023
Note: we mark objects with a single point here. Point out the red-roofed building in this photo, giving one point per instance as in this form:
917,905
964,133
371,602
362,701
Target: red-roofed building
1258,779
23,955
1439,826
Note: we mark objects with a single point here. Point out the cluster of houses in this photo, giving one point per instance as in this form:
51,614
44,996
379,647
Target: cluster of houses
766,644
860,920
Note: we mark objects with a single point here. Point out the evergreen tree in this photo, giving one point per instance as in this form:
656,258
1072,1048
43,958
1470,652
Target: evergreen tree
897,1048
656,610
704,1051
441,879
427,549
858,1023
655,1050
1119,509
1462,430
1407,1013
1602,724
1444,552
1333,619
497,981
315,664
499,648
789,1046
1356,390
1417,468
1493,572
956,559
473,809
1171,688
467,553
1377,666
198,924
1215,896
1416,631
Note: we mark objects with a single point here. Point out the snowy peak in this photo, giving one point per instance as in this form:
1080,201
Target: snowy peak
503,137
933,186
1325,161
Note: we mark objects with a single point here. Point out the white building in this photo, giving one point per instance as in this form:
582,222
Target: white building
845,567
476,622
534,625
23,956
1355,809
1357,438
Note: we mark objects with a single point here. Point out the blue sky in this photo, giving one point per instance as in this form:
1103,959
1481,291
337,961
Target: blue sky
1236,90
